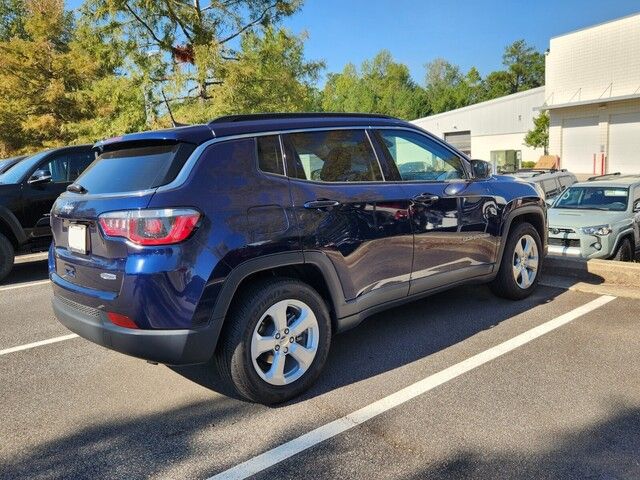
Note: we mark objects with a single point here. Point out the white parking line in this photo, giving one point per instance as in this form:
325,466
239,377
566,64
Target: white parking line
22,285
330,430
38,344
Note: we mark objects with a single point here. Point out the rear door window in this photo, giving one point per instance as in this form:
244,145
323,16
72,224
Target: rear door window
566,182
333,156
133,169
269,155
77,163
550,187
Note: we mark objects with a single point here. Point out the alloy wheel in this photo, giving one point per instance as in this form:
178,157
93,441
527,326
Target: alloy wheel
525,262
284,342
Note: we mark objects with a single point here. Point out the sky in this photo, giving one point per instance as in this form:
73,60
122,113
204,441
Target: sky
465,32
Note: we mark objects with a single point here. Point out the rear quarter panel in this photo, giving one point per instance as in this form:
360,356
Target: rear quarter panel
246,214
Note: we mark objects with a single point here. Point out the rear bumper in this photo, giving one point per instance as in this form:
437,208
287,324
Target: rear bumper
171,347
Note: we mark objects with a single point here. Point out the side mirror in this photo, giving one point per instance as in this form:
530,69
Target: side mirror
39,176
480,169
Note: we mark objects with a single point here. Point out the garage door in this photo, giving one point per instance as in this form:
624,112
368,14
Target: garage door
624,143
580,140
460,140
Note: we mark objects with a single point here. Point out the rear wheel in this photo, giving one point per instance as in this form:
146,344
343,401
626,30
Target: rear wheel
7,256
520,266
624,252
275,341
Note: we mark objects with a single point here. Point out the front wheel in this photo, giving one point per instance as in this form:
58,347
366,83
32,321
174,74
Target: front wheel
275,341
520,266
624,252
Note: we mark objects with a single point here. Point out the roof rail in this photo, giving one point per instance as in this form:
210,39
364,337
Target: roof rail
540,171
600,177
283,116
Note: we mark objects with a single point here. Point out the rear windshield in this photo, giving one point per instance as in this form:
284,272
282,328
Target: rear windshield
134,169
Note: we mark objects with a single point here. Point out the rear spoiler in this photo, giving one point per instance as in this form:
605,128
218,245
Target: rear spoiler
194,134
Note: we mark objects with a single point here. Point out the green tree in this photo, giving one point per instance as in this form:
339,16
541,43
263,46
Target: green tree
381,86
12,16
447,88
538,136
270,74
524,70
52,87
182,49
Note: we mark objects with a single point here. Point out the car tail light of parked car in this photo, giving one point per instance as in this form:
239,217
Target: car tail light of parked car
151,227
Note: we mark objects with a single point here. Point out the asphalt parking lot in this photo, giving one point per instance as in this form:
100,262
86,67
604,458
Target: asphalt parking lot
458,385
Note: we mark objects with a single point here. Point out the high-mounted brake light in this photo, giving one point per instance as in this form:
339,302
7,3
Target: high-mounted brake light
151,227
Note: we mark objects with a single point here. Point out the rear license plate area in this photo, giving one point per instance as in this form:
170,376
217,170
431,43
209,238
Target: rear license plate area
77,238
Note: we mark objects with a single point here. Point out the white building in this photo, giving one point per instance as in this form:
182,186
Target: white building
592,93
492,130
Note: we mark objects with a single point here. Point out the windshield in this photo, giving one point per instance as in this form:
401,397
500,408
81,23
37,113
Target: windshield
17,173
594,198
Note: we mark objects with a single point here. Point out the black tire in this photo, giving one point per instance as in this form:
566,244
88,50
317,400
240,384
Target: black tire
505,285
624,252
7,256
233,355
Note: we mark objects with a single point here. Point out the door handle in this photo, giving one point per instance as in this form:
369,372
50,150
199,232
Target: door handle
426,198
321,204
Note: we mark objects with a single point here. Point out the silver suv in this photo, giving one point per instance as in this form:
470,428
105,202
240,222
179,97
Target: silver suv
552,182
598,218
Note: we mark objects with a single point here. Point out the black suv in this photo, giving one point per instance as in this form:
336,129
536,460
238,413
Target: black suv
27,192
250,241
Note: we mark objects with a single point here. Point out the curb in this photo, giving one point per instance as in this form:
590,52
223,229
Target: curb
594,271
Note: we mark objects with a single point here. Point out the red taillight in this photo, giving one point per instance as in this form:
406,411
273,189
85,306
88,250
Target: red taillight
121,320
151,227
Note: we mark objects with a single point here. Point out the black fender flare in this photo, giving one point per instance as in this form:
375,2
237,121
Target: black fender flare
506,227
622,235
249,267
9,219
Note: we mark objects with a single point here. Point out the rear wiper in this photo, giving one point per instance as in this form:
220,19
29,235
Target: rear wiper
76,188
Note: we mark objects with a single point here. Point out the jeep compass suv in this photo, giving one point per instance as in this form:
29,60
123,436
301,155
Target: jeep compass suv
252,240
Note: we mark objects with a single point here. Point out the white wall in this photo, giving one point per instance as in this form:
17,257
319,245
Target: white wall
564,117
509,114
587,73
599,62
481,146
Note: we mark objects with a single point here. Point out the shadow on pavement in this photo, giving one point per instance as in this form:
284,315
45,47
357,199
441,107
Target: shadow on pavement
605,450
28,271
134,448
400,336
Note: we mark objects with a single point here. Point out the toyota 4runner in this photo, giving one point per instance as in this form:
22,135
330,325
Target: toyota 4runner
599,218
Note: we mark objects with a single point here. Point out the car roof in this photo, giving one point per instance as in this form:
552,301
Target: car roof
611,180
255,123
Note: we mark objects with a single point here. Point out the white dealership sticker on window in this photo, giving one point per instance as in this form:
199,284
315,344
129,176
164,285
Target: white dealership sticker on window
616,193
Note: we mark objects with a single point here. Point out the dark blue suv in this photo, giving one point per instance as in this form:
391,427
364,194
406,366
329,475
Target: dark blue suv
248,242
